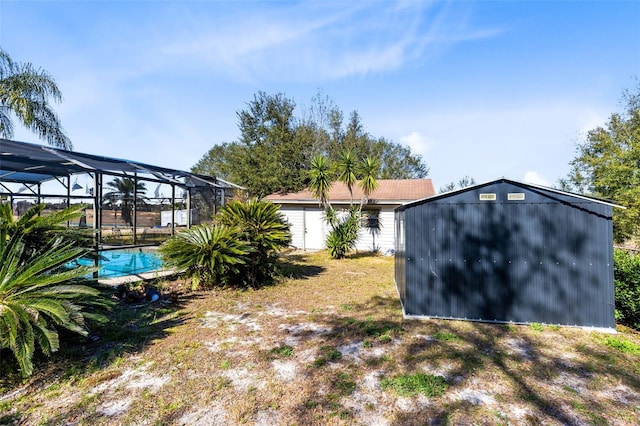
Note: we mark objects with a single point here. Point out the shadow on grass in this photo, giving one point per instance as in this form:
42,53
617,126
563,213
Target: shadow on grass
362,255
131,327
293,267
529,364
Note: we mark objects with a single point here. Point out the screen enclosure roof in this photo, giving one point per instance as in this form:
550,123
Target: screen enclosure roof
28,163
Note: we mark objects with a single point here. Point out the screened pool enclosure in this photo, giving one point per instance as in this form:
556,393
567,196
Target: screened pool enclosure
128,203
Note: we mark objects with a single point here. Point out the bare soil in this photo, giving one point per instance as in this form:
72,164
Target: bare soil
314,349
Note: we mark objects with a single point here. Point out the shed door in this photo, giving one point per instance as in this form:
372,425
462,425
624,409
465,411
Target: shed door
315,229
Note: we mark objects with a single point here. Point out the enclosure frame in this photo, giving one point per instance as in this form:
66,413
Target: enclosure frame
33,165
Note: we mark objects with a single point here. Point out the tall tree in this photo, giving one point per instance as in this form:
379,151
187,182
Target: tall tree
275,149
608,165
397,161
268,156
25,93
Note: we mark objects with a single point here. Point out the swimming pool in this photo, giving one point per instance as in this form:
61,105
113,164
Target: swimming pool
123,262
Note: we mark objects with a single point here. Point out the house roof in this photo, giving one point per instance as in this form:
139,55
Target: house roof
513,182
390,191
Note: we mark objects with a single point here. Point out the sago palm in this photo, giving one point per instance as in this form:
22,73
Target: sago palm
38,229
259,221
263,228
209,254
24,93
37,296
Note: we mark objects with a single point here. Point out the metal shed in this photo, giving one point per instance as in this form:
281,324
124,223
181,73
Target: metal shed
507,251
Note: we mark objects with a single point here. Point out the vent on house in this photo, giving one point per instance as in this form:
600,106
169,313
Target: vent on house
515,196
487,197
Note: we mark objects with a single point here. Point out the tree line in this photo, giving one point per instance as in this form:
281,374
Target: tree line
607,165
278,141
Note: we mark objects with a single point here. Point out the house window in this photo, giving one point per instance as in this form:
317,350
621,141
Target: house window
370,219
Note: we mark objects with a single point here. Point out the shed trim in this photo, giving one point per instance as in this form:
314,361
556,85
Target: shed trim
514,182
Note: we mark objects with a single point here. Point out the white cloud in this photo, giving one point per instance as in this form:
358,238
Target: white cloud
535,178
418,143
316,42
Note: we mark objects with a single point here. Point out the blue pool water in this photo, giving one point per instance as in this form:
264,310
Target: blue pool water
120,263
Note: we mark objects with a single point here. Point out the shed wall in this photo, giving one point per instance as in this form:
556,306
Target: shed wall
547,258
381,239
400,256
295,217
309,230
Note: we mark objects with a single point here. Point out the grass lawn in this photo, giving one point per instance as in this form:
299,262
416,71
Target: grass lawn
326,346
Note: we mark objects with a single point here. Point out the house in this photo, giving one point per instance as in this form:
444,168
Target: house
506,251
306,216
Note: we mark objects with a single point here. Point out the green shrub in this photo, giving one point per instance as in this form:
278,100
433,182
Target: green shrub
209,254
536,326
264,229
38,296
627,287
38,229
240,247
344,232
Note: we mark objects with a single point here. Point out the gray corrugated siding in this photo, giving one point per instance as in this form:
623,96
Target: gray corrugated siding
546,259
400,275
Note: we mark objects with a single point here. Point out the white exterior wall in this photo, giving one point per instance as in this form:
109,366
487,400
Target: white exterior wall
294,216
382,240
309,232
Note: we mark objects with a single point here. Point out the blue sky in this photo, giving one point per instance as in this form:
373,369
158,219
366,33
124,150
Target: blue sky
485,89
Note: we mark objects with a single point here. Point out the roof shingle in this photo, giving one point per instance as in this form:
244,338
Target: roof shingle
389,190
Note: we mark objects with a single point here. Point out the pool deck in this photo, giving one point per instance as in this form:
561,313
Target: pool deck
145,276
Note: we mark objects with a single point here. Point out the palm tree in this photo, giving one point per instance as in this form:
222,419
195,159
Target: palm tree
347,171
320,179
36,298
25,93
123,190
369,169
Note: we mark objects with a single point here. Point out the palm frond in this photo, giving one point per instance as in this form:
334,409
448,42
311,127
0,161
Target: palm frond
35,298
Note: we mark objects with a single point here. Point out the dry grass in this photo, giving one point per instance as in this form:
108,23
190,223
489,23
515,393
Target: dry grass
315,349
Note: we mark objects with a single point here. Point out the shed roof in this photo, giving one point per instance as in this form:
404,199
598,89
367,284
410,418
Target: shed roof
513,182
390,191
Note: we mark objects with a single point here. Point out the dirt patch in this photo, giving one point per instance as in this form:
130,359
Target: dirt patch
316,350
